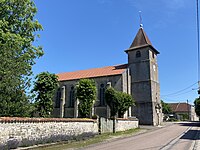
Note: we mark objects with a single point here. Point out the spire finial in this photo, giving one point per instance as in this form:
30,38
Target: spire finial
140,14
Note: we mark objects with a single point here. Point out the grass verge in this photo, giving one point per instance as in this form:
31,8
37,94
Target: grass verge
83,143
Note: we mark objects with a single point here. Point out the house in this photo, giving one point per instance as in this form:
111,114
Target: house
138,77
183,111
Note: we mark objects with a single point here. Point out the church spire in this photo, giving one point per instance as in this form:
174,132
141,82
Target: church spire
141,40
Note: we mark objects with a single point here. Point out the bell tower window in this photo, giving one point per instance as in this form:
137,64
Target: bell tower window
138,54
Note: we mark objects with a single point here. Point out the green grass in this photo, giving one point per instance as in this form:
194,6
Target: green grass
87,142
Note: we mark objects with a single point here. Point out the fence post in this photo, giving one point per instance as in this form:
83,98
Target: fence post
99,125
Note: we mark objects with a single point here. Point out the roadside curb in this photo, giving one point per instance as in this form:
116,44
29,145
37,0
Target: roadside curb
196,144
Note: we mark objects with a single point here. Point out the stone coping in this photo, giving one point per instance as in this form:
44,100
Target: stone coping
38,120
127,119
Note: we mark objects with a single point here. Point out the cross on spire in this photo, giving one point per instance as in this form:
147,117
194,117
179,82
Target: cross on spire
140,14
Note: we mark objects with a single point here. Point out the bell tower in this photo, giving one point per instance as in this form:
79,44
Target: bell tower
145,87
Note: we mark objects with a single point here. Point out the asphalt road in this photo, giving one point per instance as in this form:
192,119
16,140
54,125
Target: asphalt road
176,136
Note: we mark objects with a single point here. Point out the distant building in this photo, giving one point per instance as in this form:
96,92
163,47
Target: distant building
182,111
139,77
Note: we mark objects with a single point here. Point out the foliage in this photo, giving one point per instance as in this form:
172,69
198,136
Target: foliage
86,94
44,87
17,54
184,117
112,101
166,109
197,106
173,119
126,101
118,102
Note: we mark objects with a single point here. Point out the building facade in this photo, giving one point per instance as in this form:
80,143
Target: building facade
139,77
183,111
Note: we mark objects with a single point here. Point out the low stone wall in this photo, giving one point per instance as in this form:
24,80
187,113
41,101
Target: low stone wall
125,124
106,125
15,132
19,132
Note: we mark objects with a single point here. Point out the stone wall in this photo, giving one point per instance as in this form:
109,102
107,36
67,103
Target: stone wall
106,125
125,124
15,132
19,132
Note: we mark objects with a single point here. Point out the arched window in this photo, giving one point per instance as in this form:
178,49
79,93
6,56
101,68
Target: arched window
102,95
72,97
138,54
58,97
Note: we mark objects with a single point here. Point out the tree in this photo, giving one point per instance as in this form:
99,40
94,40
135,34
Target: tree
118,102
166,109
86,94
197,106
126,101
45,87
17,54
112,101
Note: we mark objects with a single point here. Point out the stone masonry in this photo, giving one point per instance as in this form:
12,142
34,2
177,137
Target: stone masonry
21,132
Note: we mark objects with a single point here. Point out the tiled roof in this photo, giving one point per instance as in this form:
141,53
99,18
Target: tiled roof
179,107
91,73
141,40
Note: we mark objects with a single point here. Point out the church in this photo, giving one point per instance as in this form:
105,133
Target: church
138,77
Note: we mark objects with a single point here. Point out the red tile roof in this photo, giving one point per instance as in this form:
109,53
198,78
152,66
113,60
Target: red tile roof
179,107
91,73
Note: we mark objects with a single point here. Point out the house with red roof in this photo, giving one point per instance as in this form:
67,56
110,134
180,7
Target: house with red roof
138,77
183,111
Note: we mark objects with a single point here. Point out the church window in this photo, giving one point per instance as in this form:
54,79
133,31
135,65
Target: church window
58,97
138,54
72,97
102,95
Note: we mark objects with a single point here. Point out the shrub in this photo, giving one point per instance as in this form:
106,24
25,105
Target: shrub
118,102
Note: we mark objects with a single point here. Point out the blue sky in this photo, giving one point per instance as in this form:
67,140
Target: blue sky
83,34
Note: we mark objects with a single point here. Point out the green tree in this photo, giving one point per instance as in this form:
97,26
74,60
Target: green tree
17,54
126,101
112,101
197,106
86,94
166,109
118,102
45,87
